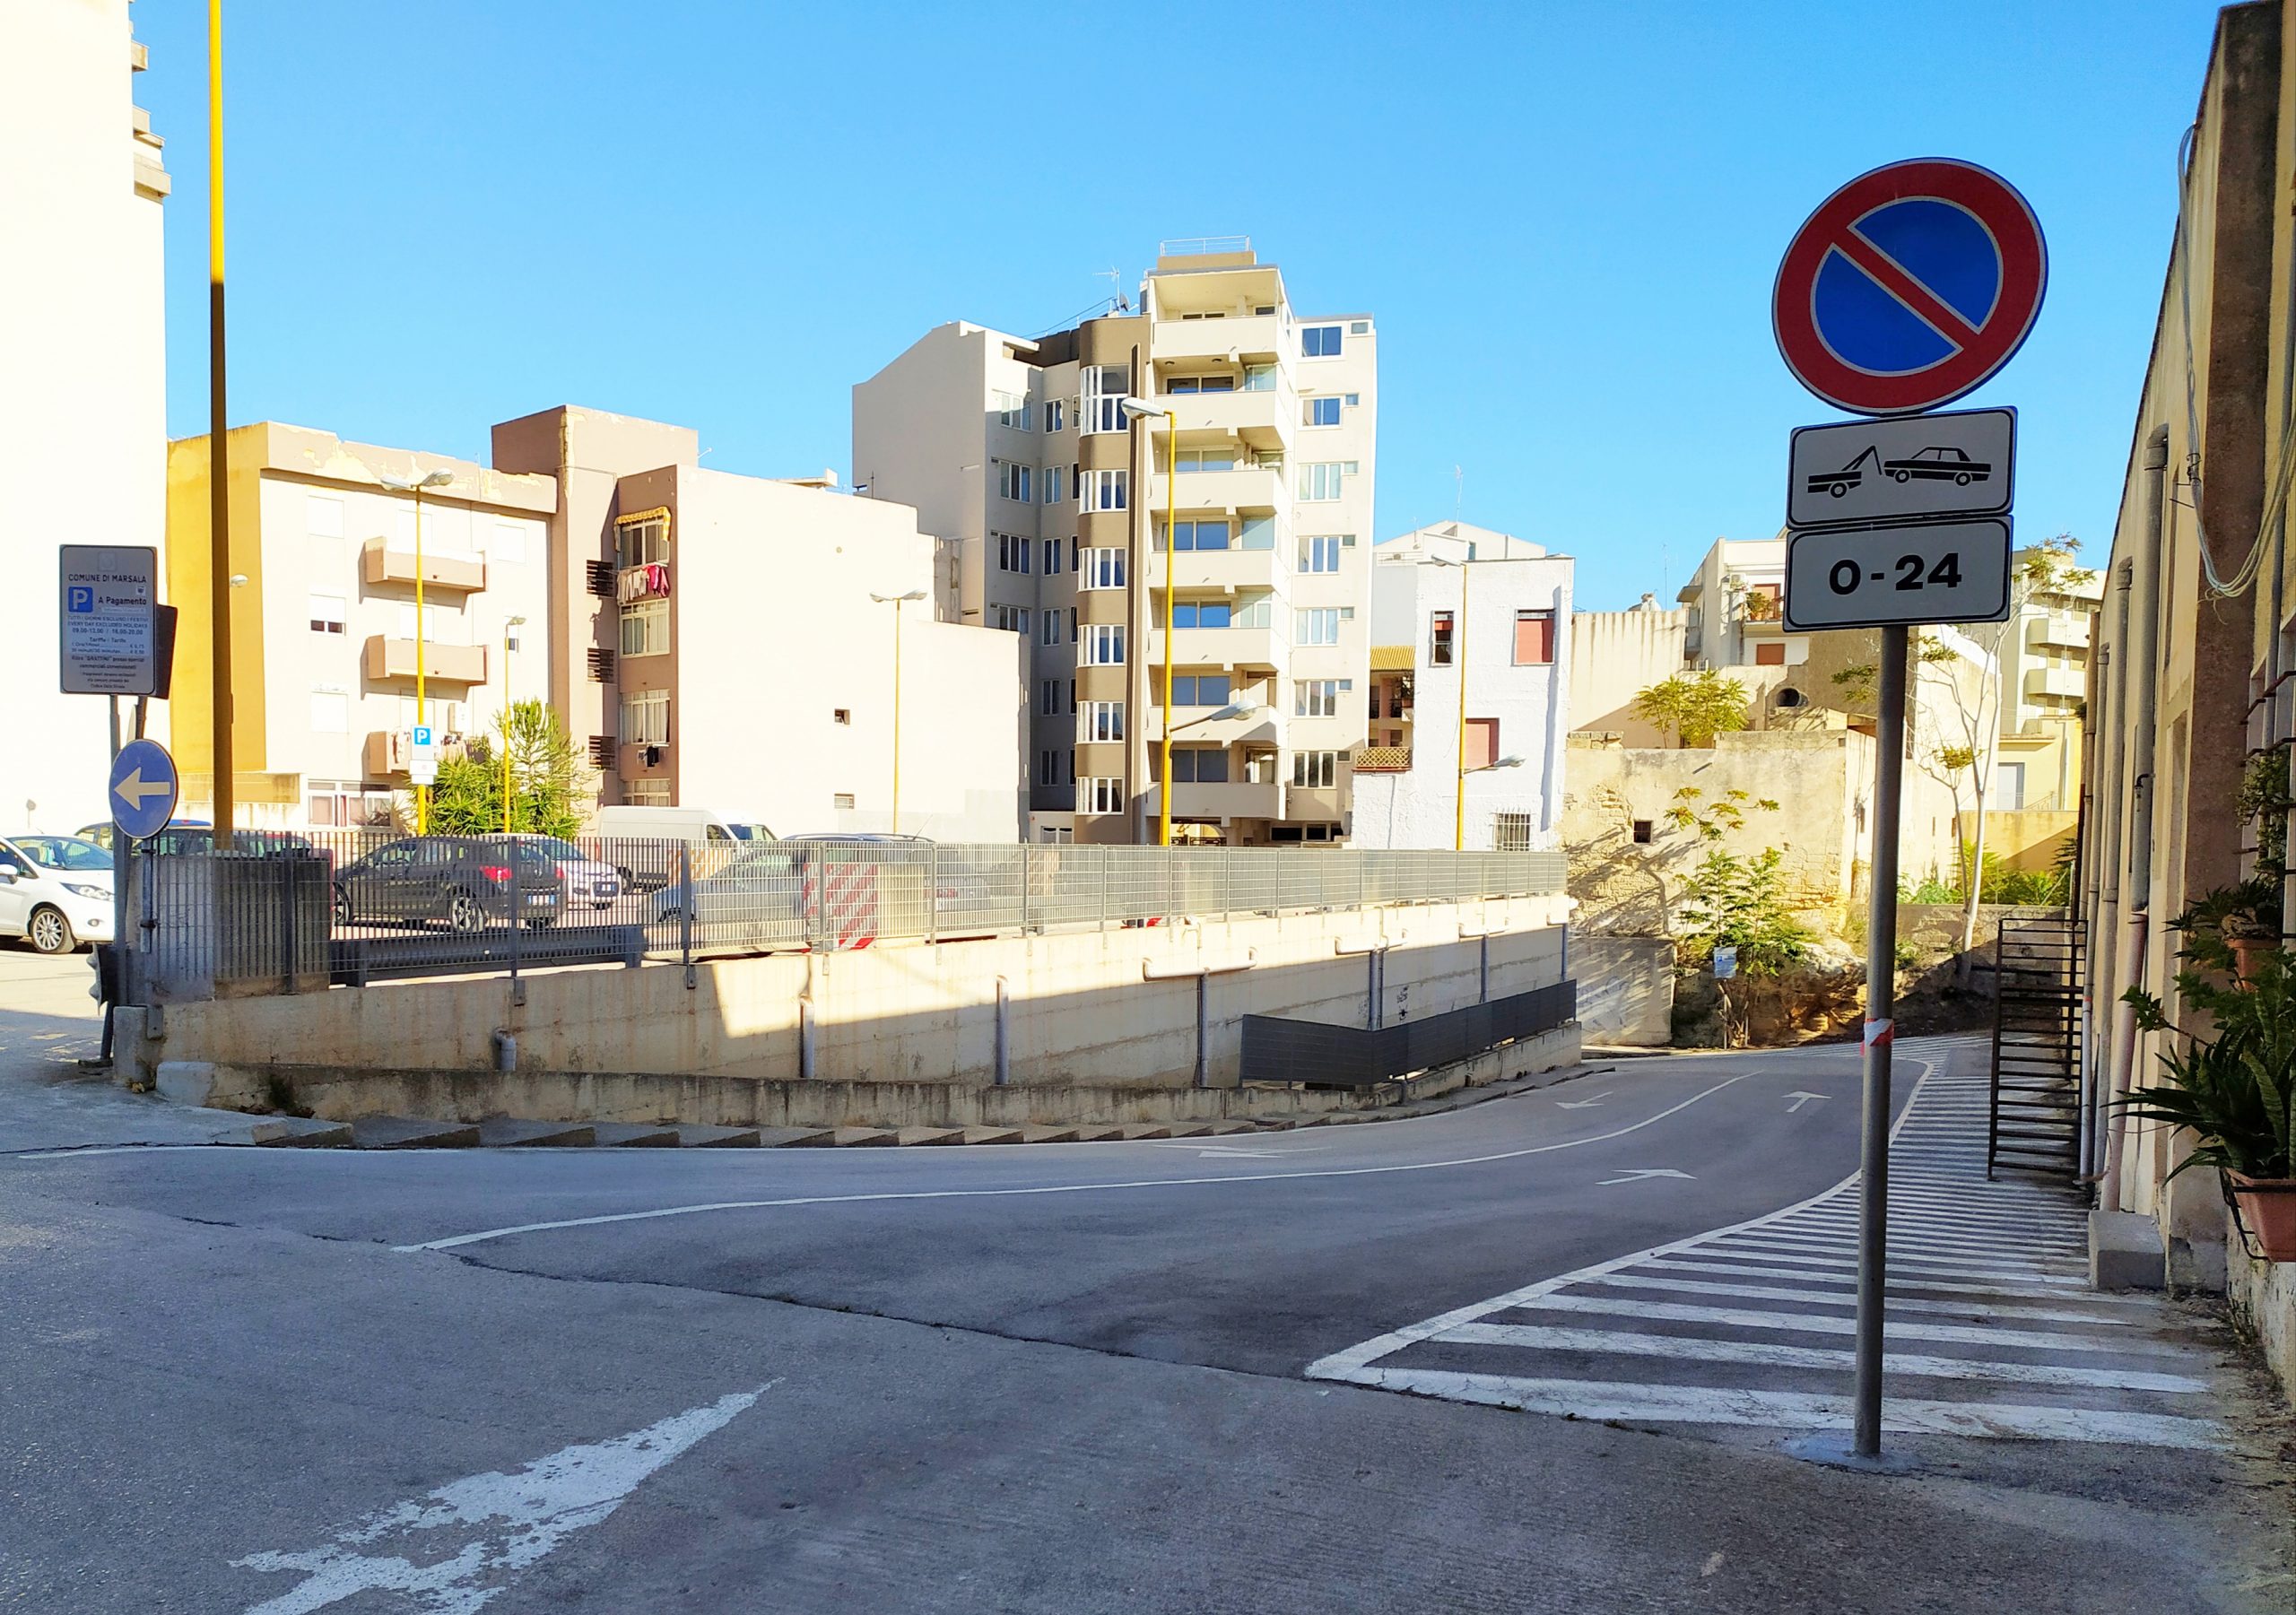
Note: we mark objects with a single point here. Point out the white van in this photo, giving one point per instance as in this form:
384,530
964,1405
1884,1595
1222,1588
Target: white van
642,840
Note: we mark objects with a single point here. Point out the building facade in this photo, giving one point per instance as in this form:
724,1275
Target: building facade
82,368
1244,478
1471,648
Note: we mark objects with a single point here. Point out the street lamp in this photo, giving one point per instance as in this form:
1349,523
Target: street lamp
416,485
509,645
1138,409
896,602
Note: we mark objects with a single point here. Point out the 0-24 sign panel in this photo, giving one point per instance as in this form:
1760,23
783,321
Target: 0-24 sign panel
1880,577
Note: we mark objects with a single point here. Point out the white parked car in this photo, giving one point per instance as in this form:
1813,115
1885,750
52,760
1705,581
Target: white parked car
55,892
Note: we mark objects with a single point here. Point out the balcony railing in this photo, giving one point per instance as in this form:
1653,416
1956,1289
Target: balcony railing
1383,760
384,564
390,658
392,751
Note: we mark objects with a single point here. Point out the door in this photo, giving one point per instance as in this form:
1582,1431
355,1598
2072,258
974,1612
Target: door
377,884
16,895
440,869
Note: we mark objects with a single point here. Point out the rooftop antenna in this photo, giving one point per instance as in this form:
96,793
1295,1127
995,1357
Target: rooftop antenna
1118,303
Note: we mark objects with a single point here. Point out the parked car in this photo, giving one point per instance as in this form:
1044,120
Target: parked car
55,891
643,841
757,899
198,836
586,879
469,882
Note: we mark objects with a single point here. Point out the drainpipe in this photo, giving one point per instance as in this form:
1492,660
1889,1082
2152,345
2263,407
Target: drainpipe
2145,672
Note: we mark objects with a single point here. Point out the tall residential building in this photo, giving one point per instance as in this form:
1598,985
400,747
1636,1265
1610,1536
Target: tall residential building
2044,690
82,368
1052,500
1470,648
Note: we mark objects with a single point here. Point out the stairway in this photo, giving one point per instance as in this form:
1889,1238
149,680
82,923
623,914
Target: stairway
2036,1110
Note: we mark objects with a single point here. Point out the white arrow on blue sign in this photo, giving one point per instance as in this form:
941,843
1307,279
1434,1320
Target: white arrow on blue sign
143,787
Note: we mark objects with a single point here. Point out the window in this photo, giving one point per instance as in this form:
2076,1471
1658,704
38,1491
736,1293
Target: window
1253,611
1056,834
1102,569
1320,554
646,718
1184,385
1100,408
1072,625
1534,639
1259,378
1012,619
1012,411
1202,690
1052,411
841,799
1257,533
1513,832
1051,484
322,516
330,712
1319,342
1438,640
509,543
645,629
1196,536
1048,764
1322,479
1481,743
1196,765
1103,645
1048,700
641,540
1072,713
840,715
327,612
2011,788
1317,625
1642,831
1359,327
1201,613
1320,411
1104,489
1315,770
1011,479
1101,720
1048,627
1051,557
646,793
1100,795
1772,654
1207,459
1013,552
1316,698
1075,481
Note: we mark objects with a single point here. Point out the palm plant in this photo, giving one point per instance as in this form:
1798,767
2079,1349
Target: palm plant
2237,1088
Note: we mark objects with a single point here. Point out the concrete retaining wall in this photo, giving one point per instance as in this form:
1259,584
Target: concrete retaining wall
1626,988
1113,1009
2263,1294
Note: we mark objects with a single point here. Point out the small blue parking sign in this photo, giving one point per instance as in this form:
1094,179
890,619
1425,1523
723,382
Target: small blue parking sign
80,598
142,789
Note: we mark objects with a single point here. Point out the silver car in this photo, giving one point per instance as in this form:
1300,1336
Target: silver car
757,900
585,879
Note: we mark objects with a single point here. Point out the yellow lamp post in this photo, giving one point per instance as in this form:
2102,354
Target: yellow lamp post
509,645
416,485
1138,408
897,602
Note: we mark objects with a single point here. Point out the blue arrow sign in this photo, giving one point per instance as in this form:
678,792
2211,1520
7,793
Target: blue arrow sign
143,788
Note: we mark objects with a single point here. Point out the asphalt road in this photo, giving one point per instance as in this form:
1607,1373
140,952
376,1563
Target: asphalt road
1054,1378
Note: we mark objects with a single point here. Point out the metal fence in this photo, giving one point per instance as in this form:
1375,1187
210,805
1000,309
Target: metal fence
374,905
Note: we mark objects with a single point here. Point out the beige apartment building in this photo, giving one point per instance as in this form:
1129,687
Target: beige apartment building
710,640
82,368
1258,424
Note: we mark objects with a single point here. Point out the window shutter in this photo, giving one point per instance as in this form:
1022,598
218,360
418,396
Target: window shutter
601,665
601,578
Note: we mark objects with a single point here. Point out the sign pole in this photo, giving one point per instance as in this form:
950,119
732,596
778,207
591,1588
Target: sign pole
1880,991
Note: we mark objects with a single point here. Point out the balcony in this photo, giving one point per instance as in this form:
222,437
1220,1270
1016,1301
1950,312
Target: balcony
1382,760
383,564
1236,339
648,580
390,658
389,751
1263,420
1233,800
1262,728
1229,570
1300,802
2056,685
2060,630
1230,648
1246,488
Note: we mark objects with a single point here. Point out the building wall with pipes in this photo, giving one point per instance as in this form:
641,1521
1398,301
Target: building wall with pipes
2192,631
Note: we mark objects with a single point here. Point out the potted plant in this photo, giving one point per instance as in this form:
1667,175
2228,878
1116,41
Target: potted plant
2235,1087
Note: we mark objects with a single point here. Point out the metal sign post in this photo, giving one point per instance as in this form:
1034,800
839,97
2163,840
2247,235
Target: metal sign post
1908,287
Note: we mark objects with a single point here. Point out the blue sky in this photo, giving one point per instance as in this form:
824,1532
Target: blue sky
1566,218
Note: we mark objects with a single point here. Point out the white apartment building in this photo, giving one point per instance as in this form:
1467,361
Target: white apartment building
1471,644
1246,480
82,368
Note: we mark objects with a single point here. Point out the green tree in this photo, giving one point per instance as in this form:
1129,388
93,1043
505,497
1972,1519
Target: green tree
1730,901
466,798
548,779
1696,707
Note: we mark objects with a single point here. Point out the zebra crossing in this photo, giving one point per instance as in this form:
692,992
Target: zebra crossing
1991,1330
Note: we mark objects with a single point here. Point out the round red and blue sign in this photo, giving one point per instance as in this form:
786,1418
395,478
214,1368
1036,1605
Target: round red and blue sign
1910,286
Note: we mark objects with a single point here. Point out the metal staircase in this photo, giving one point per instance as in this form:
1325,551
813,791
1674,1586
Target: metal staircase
2036,1108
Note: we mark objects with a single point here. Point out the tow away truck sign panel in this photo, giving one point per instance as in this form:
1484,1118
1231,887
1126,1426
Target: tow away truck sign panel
1880,577
1905,468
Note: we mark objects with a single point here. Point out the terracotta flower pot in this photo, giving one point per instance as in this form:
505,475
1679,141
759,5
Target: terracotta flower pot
2249,952
2268,1211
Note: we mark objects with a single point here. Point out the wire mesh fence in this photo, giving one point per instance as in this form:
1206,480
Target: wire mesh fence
297,911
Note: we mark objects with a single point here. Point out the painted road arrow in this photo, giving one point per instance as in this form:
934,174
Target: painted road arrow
135,791
1203,1149
1635,1175
1800,1100
1582,1104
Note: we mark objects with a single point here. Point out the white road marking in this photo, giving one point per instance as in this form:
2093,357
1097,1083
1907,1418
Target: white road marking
1203,1149
1770,1292
1582,1104
1803,1323
453,1241
485,1528
1800,1100
1637,1174
1900,1283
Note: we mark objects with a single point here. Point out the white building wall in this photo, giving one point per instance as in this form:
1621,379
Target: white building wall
82,404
